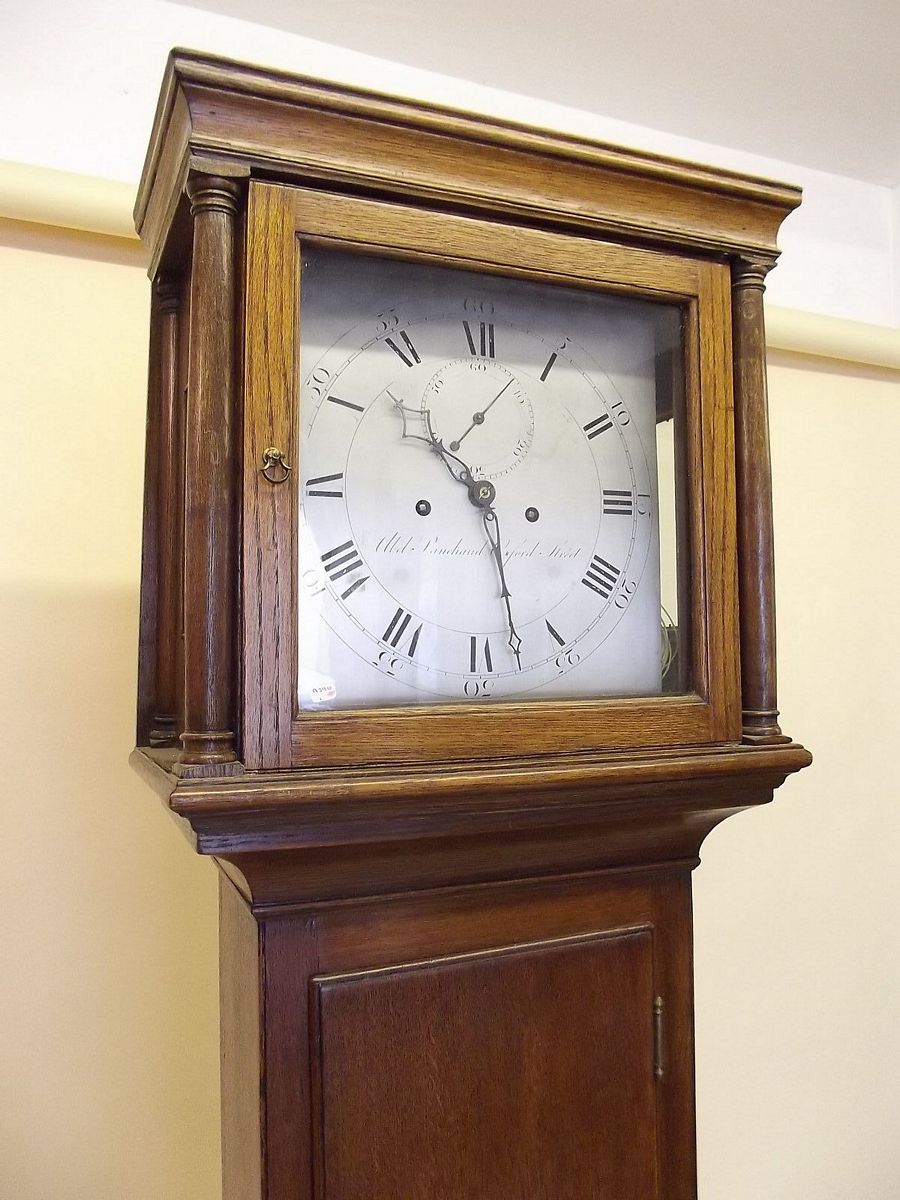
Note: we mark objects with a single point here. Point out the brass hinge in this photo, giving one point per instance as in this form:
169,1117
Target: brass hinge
658,1037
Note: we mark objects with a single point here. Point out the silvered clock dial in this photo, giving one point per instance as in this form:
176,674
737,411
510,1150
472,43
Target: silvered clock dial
478,487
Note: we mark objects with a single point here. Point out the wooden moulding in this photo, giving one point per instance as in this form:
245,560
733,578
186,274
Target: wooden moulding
288,128
321,833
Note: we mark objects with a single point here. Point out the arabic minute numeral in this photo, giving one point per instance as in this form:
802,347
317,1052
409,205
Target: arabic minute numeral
625,593
312,581
387,321
620,412
567,660
318,381
484,308
478,689
386,662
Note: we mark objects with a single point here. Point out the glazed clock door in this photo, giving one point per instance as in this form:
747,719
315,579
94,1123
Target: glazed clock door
488,532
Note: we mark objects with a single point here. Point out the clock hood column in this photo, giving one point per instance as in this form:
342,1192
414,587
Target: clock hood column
756,551
169,519
210,516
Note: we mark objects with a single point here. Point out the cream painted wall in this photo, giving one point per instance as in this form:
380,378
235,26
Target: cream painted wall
796,905
108,1028
108,989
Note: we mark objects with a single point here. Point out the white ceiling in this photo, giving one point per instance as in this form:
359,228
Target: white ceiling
814,82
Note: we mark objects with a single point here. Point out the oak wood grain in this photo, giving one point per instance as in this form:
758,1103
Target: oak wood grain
754,483
476,243
494,966
520,1071
287,127
269,510
718,559
210,504
353,833
462,731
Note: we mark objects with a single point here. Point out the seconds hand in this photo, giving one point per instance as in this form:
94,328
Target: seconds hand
478,417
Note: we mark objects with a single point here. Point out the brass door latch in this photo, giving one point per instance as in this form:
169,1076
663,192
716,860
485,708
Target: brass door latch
275,469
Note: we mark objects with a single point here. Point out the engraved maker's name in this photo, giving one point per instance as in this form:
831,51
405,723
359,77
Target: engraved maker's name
400,544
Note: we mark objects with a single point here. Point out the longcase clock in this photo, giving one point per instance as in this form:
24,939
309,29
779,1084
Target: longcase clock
457,629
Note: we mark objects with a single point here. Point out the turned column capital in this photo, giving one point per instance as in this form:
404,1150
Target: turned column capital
750,271
213,193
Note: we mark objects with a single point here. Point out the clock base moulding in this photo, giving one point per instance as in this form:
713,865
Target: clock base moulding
469,823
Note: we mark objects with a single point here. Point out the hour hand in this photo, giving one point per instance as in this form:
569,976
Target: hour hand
454,465
408,415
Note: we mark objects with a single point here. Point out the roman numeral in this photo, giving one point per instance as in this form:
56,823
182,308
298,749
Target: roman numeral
341,561
601,576
353,586
412,356
474,657
598,425
346,403
397,628
486,339
558,638
313,489
546,371
617,503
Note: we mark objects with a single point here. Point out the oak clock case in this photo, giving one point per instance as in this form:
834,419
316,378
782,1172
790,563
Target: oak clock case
457,624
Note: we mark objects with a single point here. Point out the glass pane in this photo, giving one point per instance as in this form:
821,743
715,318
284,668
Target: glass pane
488,488
671,442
